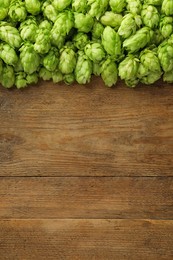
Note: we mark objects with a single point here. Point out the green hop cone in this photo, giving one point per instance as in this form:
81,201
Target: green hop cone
150,16
134,6
32,78
128,70
167,7
33,6
129,25
29,58
80,40
18,66
139,40
79,6
10,35
43,40
168,77
17,11
61,28
149,67
49,11
153,2
97,30
109,72
165,54
51,60
4,7
7,77
1,67
111,42
45,74
96,69
20,80
83,68
83,22
157,39
97,7
69,78
28,29
8,54
67,62
57,76
166,26
117,6
111,19
60,5
94,51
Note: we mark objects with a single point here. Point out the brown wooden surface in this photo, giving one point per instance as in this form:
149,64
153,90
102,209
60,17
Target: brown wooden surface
86,172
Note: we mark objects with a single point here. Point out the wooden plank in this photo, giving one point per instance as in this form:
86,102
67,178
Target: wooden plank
86,197
94,131
86,239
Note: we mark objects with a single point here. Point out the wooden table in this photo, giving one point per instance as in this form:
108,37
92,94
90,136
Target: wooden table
86,172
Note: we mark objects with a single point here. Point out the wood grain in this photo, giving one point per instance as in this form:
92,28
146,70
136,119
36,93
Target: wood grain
86,239
86,131
86,198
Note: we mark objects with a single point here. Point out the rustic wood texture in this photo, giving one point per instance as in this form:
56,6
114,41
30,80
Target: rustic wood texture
86,198
86,131
86,172
86,239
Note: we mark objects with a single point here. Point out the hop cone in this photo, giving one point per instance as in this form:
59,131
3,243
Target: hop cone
111,19
32,78
83,68
97,7
168,77
60,5
138,41
17,11
33,6
43,40
29,58
8,77
83,22
117,6
49,11
165,54
1,67
28,29
45,74
128,70
166,26
10,35
167,7
153,2
62,26
20,80
8,54
109,72
80,40
96,69
69,78
150,16
67,61
79,6
97,30
51,60
94,51
129,25
4,6
57,76
111,42
134,6
149,68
